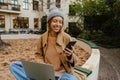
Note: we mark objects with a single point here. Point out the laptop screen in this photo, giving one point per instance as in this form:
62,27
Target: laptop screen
39,71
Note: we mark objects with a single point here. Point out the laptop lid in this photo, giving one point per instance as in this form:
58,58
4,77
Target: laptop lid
39,71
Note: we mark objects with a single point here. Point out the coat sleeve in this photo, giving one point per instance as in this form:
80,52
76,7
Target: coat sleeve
39,51
74,58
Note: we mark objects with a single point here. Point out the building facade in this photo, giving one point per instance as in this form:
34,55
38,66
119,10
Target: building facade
29,14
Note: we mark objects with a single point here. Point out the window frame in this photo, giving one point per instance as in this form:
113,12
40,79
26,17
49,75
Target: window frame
48,4
36,23
58,3
35,5
25,5
2,21
15,5
21,22
1,1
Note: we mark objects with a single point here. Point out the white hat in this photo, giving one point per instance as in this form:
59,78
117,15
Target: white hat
54,11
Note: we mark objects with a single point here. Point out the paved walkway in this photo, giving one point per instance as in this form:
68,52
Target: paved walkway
109,64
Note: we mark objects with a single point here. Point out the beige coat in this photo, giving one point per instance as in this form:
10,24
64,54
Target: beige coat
62,40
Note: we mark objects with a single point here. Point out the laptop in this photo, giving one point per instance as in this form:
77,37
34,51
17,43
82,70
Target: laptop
39,71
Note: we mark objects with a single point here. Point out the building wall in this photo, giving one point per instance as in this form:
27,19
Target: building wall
31,14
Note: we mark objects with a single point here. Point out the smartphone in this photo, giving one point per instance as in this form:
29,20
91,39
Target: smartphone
70,44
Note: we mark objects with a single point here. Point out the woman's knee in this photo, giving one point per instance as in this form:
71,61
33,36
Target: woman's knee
67,76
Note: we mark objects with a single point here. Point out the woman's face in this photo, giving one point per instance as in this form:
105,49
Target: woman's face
56,24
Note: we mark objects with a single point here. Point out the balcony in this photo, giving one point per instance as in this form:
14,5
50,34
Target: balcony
9,8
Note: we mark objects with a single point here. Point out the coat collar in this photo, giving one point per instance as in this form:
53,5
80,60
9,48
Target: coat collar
59,38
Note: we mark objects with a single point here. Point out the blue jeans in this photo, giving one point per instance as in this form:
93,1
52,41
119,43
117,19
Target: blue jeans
18,71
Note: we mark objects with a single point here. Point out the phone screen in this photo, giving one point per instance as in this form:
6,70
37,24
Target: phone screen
70,44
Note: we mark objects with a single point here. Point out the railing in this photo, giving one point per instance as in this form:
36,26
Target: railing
9,6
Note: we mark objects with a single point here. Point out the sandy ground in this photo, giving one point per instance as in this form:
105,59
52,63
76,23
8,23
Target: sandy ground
24,49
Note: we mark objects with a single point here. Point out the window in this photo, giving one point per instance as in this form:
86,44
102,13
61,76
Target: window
1,1
2,21
15,23
58,3
25,4
15,5
15,2
48,4
21,22
35,5
35,22
72,11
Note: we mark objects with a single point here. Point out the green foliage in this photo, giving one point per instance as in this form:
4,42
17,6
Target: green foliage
93,10
110,3
107,41
84,35
94,23
101,39
90,7
72,11
104,20
116,8
74,30
112,27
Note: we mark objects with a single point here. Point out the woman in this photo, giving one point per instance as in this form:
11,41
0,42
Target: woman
52,50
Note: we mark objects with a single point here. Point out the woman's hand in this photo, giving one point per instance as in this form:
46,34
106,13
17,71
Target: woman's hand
68,53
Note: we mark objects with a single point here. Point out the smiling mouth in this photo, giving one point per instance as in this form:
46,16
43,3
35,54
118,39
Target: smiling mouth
57,28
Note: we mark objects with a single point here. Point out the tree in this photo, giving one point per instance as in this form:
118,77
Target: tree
90,9
95,10
116,9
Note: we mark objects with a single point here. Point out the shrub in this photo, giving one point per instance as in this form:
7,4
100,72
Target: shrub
73,30
84,35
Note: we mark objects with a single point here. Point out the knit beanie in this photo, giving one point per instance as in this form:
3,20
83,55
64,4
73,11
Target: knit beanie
54,12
